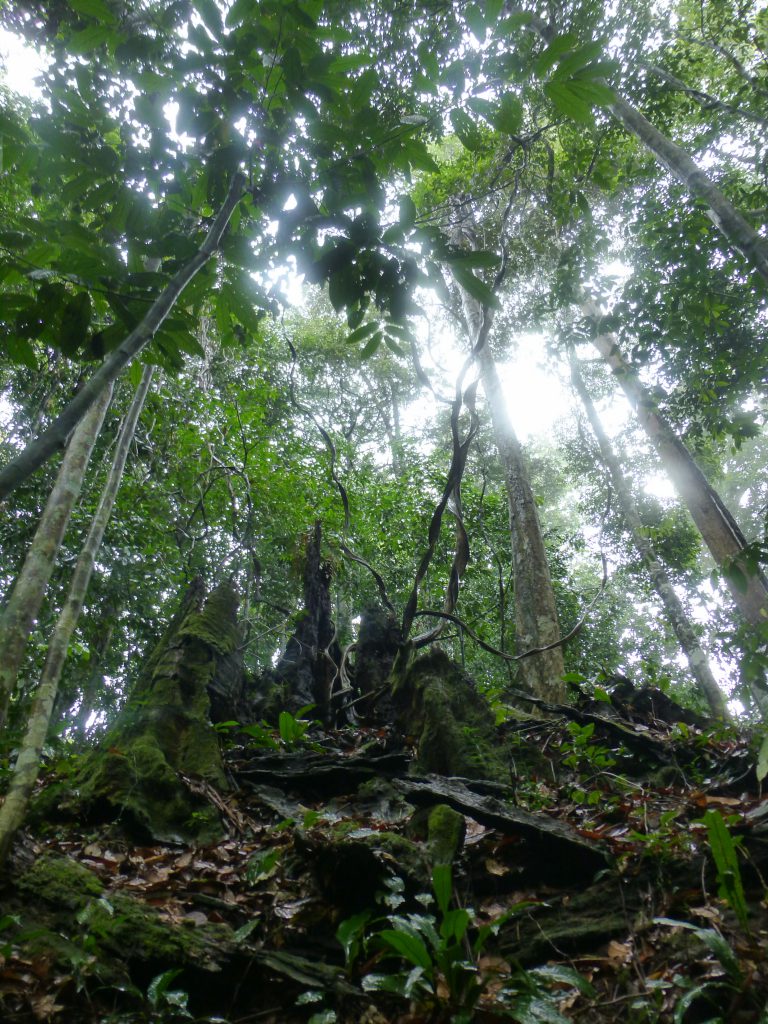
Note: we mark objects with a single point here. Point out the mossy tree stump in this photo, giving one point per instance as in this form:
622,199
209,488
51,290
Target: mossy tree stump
165,730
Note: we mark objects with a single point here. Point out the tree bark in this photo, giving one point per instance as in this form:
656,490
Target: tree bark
27,767
28,592
718,529
536,622
39,451
697,659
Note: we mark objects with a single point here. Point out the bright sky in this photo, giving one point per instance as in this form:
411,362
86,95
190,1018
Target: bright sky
19,65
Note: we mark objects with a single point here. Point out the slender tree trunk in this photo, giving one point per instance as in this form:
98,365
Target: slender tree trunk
27,767
39,451
737,231
718,529
697,659
536,622
26,598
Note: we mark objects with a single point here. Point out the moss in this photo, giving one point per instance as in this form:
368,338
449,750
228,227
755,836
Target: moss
216,624
164,732
446,829
135,929
61,882
454,726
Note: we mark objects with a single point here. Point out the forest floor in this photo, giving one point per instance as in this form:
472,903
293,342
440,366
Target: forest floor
619,876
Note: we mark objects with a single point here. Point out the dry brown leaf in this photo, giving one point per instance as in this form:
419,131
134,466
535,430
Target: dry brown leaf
495,867
619,952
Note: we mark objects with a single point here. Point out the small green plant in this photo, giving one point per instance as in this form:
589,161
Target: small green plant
442,957
723,847
733,980
293,728
582,754
166,1002
291,732
262,865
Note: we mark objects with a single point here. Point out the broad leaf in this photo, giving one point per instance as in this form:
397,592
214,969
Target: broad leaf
409,947
476,288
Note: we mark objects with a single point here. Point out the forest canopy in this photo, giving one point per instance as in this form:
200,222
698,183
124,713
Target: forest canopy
281,282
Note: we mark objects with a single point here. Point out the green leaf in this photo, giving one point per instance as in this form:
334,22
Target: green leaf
566,975
160,984
372,346
362,332
21,351
476,21
549,57
762,759
407,215
535,1010
509,116
350,933
596,93
409,947
514,21
96,9
577,59
568,102
466,129
727,863
442,884
454,924
75,320
477,289
393,346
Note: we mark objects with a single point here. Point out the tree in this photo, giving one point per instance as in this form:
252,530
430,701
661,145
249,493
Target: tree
29,588
27,764
684,631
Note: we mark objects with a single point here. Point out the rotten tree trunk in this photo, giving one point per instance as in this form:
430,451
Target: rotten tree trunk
29,589
697,659
308,670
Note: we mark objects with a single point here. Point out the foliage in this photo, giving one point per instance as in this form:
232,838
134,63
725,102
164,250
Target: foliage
443,953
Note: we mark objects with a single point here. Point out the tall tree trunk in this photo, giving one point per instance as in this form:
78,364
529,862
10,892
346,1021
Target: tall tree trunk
27,767
536,622
737,231
717,526
39,451
697,659
26,598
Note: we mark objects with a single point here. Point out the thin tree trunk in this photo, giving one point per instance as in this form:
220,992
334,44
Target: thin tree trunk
737,231
536,622
697,659
40,450
26,598
26,770
716,525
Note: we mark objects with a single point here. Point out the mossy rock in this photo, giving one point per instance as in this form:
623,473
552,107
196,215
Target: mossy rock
453,725
61,882
57,888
